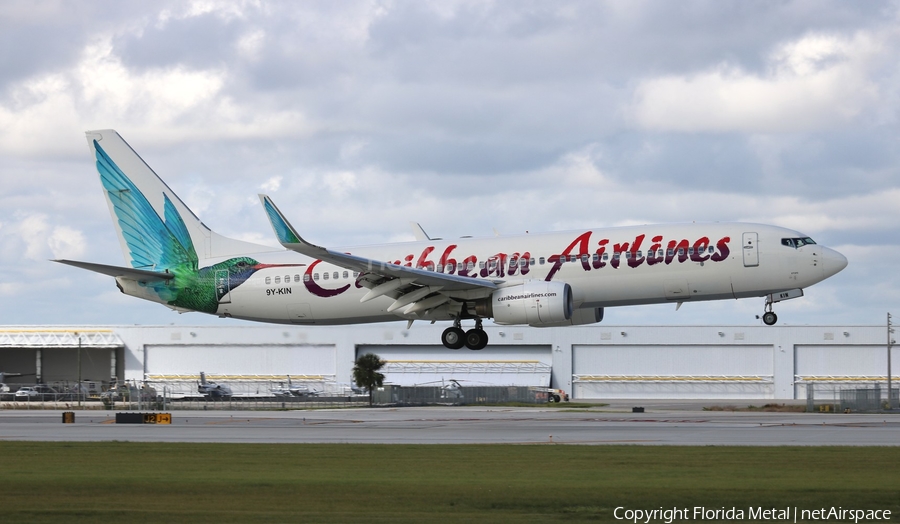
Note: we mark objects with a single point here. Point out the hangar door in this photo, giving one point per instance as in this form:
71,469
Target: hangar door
836,367
243,360
436,365
673,371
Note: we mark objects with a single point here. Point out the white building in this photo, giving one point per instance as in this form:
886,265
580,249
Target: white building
596,362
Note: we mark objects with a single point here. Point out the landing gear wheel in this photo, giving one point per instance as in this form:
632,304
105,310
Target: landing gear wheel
770,318
453,338
476,339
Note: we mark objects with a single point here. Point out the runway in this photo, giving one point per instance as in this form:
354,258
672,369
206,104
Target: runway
468,425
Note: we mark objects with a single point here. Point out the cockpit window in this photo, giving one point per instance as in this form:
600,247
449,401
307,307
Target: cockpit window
797,242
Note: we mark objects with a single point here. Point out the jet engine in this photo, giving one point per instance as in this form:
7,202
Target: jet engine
535,302
580,317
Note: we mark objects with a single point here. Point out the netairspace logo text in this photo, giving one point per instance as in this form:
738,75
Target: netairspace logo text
786,514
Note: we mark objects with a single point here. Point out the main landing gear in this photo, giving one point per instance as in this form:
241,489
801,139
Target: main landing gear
455,338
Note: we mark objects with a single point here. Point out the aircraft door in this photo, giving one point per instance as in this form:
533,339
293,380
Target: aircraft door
750,250
223,289
300,314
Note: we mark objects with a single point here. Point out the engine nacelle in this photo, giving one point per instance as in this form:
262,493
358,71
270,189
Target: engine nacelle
535,302
580,317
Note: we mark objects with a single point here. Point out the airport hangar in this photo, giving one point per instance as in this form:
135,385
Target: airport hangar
595,362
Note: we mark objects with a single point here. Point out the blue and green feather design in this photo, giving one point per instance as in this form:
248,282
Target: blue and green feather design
165,245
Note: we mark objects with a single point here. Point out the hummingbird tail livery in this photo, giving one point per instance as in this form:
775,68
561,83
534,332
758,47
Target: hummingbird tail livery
134,200
540,280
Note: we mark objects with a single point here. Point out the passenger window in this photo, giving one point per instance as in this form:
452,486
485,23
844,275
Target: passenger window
268,280
584,257
439,268
627,255
335,275
296,278
355,274
605,257
278,280
316,276
287,279
531,261
346,274
523,262
711,250
595,257
542,261
670,253
481,265
639,254
470,266
690,251
306,277
324,276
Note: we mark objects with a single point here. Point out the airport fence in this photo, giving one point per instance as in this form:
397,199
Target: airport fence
192,404
263,393
850,400
465,395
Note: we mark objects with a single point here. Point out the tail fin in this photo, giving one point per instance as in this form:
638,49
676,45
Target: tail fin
156,229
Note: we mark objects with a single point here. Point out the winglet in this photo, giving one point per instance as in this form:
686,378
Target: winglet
287,235
419,233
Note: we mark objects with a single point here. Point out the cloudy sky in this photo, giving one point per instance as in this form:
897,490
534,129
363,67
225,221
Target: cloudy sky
358,117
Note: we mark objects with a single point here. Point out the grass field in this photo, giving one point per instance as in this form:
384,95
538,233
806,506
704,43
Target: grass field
144,482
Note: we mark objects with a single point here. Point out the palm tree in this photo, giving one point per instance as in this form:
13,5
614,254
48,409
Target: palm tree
365,372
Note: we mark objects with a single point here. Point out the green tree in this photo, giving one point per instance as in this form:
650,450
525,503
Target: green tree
365,373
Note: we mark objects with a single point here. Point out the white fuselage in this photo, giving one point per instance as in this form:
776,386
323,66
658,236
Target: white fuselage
604,267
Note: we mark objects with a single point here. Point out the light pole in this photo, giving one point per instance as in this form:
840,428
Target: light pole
79,369
890,343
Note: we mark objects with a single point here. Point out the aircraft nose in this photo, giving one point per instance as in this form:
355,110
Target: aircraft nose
832,262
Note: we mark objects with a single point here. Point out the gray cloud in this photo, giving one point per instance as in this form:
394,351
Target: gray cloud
461,115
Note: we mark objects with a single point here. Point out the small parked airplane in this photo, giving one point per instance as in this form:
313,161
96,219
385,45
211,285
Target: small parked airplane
213,391
293,390
540,280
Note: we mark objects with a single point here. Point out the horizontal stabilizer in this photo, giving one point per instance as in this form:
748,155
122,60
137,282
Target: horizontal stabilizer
141,275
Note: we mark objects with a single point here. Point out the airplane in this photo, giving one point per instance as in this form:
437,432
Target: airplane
542,280
292,390
213,391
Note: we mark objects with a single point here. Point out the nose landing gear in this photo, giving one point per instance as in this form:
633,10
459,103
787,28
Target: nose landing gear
769,318
455,338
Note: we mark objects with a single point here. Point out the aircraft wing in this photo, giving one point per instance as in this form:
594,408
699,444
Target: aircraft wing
141,275
394,279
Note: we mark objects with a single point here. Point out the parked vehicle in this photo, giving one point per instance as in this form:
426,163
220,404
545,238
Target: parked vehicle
27,393
36,392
